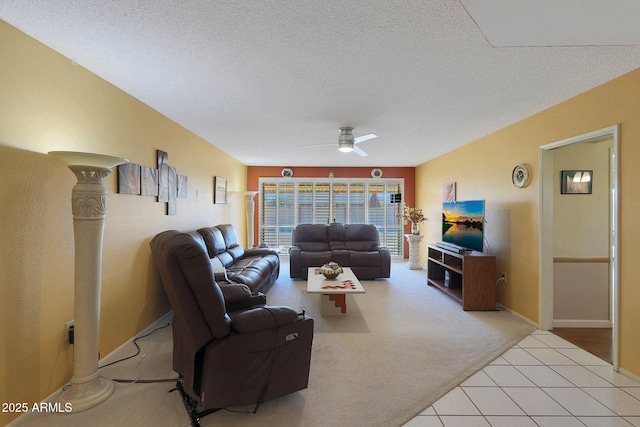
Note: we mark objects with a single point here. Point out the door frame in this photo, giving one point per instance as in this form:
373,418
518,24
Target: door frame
545,205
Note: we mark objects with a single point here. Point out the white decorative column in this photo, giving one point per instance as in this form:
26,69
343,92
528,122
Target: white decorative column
88,205
414,251
251,209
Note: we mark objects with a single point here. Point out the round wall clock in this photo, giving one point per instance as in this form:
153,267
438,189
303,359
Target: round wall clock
286,173
520,176
376,173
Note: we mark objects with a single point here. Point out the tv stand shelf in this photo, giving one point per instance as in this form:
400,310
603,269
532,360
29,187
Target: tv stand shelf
469,278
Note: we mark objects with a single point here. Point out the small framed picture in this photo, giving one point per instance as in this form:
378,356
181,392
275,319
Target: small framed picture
450,192
576,182
219,190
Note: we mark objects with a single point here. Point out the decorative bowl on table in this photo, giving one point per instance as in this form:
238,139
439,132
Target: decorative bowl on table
331,270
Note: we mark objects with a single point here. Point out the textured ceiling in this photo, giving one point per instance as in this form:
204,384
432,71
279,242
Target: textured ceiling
262,79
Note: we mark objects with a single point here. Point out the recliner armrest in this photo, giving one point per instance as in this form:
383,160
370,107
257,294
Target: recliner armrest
239,297
235,292
294,262
261,318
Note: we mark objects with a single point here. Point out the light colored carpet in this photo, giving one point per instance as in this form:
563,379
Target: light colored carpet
402,345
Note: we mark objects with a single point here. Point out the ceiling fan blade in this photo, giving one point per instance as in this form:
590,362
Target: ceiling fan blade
359,151
364,137
317,145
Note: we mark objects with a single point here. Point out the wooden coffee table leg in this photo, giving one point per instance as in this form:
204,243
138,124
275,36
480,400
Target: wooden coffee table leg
333,304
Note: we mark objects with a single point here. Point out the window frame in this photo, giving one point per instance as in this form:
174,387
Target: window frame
391,228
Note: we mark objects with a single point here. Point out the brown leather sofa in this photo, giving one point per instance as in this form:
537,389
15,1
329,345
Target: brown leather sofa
227,358
350,245
258,268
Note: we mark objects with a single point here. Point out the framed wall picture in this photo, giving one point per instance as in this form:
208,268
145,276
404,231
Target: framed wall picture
163,176
148,181
183,186
576,182
449,192
219,190
173,191
129,178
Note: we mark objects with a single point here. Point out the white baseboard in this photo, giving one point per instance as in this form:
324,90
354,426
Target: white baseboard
628,374
529,321
107,359
578,323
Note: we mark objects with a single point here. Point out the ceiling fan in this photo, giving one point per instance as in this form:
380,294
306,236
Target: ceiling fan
347,142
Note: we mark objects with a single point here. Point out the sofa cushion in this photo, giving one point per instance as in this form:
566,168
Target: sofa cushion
257,263
251,277
214,240
341,256
310,237
315,258
237,252
335,232
365,258
231,240
361,237
226,259
361,245
313,246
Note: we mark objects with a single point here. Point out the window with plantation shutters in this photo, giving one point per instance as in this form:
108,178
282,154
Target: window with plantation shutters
322,205
277,213
340,203
287,202
356,203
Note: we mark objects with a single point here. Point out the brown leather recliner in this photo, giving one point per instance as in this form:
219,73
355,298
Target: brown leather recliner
226,358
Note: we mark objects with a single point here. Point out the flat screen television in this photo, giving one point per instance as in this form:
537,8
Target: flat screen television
463,224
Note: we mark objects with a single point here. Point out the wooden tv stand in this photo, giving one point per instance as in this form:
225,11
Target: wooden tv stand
472,276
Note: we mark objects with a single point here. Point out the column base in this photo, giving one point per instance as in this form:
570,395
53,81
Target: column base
87,394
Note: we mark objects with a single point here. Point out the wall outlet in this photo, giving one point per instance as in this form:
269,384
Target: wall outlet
503,276
69,329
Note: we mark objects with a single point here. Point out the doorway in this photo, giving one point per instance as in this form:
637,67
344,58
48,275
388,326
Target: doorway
549,181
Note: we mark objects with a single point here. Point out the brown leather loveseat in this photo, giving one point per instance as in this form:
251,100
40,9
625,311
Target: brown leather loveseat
227,358
350,245
258,268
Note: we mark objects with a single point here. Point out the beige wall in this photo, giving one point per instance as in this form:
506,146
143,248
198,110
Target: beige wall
581,222
46,104
581,294
581,232
483,168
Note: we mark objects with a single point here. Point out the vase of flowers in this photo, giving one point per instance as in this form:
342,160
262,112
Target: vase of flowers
415,216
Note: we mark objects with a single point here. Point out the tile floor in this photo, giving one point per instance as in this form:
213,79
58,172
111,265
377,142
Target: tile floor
542,381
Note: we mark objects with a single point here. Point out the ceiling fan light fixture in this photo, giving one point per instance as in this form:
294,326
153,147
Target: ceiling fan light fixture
345,147
345,140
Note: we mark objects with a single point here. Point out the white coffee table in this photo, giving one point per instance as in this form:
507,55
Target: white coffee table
333,301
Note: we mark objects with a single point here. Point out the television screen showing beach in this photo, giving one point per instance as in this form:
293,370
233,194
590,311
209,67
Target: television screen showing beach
462,223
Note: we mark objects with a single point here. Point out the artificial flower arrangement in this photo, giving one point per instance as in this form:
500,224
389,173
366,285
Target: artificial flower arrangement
415,216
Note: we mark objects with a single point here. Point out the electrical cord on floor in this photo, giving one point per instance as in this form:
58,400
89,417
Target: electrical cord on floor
137,380
135,341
